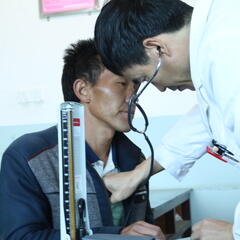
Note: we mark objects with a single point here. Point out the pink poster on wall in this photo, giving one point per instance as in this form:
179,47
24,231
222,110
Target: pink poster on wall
56,6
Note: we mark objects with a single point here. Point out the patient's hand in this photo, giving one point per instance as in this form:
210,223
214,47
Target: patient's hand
142,228
123,184
211,229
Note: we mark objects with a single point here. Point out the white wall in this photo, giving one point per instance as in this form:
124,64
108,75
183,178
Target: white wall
31,59
30,71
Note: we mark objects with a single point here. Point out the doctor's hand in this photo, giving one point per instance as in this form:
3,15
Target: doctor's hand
143,229
211,229
122,185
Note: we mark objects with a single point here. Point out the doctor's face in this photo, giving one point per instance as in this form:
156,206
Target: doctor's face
172,76
173,50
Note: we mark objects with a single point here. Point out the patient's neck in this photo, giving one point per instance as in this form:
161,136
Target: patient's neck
99,138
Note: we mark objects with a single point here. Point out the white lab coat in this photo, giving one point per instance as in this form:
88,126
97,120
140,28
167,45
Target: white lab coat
215,70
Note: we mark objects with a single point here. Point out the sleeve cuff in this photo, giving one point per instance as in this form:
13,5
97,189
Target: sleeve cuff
175,164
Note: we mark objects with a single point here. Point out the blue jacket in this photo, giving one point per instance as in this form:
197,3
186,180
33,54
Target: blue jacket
29,190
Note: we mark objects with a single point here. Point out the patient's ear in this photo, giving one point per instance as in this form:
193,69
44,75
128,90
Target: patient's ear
81,89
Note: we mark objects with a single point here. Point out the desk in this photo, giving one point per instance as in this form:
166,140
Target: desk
171,211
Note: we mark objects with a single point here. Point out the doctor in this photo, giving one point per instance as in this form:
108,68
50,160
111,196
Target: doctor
199,50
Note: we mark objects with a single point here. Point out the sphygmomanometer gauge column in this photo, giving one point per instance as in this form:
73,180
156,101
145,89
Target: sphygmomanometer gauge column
72,172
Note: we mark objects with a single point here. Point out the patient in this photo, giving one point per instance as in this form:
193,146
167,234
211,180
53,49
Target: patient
29,191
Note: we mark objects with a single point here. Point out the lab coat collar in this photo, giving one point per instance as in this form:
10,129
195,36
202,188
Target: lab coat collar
191,3
199,20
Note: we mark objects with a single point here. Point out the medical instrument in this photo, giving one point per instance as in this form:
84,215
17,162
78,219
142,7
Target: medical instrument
131,107
220,152
72,172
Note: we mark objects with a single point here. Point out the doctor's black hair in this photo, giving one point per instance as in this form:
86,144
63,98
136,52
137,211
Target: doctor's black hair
122,26
81,60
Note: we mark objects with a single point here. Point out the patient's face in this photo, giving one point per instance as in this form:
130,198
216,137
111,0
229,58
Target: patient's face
109,101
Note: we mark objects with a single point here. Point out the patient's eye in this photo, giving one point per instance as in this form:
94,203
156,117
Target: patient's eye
137,81
122,83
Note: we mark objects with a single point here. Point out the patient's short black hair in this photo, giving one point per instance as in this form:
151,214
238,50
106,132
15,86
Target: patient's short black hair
81,60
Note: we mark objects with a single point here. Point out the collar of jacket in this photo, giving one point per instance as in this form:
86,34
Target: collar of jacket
125,153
